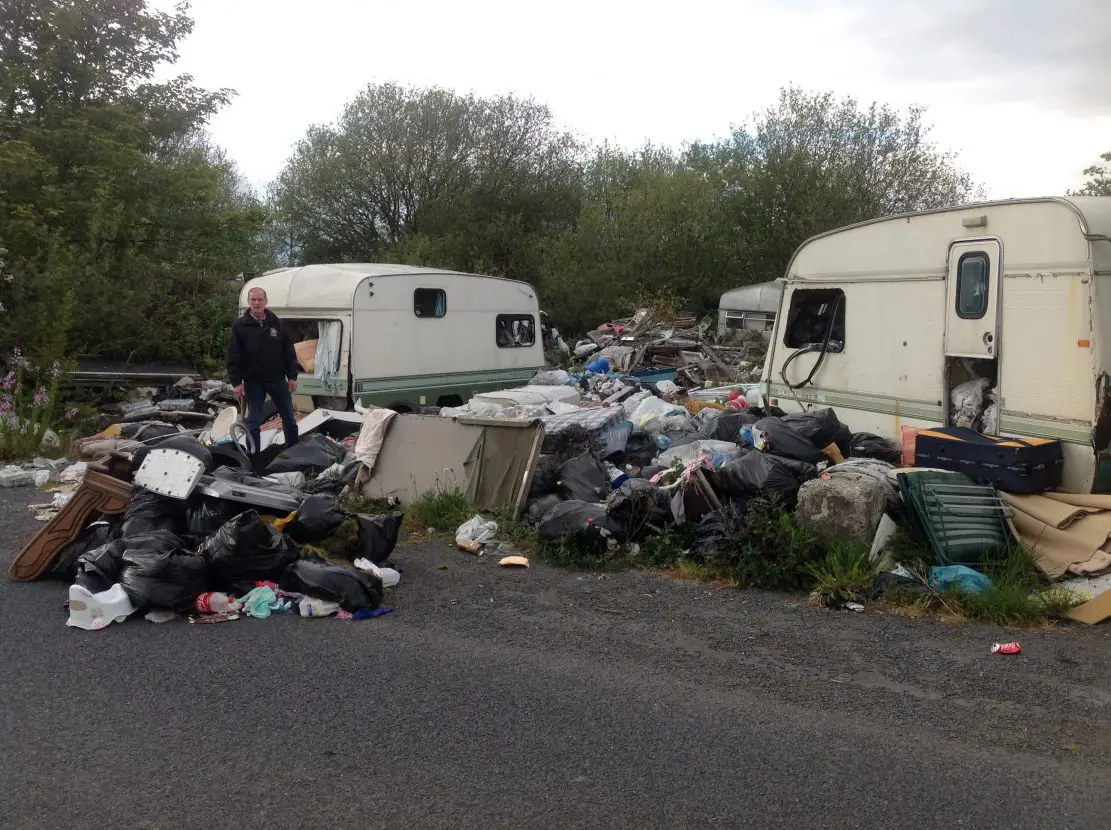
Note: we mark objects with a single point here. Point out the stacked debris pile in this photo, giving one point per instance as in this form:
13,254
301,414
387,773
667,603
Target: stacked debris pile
178,527
651,341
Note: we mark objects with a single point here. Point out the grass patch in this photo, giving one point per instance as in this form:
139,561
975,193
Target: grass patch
842,573
439,512
1020,595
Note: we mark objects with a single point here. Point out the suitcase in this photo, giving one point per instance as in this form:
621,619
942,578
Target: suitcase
1015,465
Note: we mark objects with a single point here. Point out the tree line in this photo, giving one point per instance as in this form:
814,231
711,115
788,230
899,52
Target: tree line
122,224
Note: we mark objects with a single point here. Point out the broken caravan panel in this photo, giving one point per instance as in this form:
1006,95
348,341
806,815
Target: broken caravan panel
1019,288
411,336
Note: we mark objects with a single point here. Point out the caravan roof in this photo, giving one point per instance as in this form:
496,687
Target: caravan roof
331,286
1078,229
763,296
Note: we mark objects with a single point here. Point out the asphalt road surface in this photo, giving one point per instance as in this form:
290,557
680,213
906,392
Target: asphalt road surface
544,698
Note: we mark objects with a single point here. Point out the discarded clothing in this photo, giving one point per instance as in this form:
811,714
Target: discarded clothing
372,435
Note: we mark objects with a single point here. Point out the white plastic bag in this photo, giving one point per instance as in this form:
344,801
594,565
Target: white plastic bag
655,415
629,406
968,402
550,377
989,424
474,533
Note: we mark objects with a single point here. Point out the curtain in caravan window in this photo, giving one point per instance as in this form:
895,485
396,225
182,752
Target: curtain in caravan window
327,353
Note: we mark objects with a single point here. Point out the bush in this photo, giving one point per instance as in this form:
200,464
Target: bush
771,551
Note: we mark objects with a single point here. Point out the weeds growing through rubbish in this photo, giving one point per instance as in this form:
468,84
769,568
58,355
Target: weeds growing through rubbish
769,550
1020,594
29,406
842,573
439,510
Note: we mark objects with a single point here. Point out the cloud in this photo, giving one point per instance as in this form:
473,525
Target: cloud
1051,54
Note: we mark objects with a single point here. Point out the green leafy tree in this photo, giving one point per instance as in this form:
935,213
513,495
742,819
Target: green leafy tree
1099,176
812,163
431,176
111,195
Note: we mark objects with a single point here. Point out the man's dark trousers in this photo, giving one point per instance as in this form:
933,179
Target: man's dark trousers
278,390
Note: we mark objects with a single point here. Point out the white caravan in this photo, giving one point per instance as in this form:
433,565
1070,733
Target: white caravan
402,336
881,320
751,307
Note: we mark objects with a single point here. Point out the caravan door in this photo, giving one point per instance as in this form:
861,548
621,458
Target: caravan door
972,293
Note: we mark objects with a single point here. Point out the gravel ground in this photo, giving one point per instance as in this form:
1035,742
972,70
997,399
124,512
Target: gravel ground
542,698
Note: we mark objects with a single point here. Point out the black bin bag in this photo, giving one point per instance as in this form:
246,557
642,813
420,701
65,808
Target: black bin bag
377,536
822,427
244,551
148,512
317,518
760,474
353,590
785,441
585,525
312,455
584,478
64,567
158,571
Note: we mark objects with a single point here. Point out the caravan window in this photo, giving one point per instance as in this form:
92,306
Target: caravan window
972,286
809,318
514,331
430,302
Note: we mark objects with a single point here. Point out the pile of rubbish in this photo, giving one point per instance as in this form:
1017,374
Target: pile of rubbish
649,342
202,537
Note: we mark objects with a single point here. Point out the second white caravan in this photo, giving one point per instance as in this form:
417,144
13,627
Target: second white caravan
881,320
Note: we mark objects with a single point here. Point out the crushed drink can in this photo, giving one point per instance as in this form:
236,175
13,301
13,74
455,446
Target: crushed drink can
1005,648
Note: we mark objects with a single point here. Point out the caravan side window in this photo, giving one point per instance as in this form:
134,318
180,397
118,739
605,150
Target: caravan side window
430,302
810,316
515,331
972,285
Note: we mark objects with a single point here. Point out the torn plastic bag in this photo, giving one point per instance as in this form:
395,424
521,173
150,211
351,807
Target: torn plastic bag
244,551
377,536
312,455
353,590
334,479
317,518
99,569
252,480
185,443
474,533
968,402
587,525
821,427
760,474
205,515
91,537
159,572
148,512
584,478
784,441
638,503
867,445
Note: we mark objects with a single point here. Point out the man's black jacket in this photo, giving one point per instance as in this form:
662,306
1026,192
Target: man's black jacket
261,350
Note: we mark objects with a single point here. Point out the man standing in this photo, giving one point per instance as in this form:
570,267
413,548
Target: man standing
261,362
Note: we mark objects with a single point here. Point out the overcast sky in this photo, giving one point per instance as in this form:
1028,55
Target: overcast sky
1021,89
